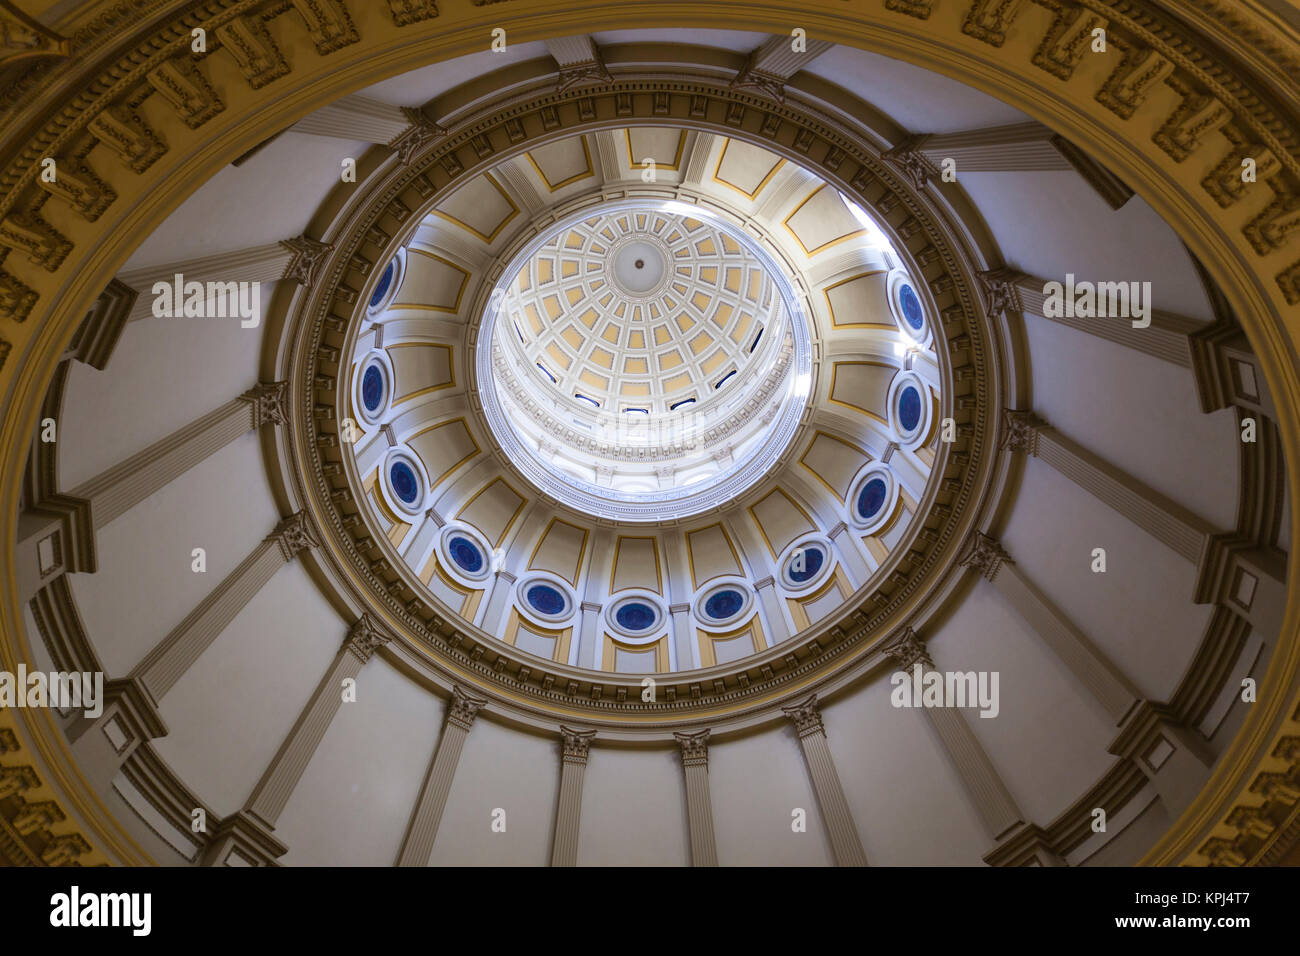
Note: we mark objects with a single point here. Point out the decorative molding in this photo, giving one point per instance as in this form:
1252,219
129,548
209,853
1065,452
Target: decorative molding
464,707
983,555
806,717
694,747
577,744
309,256
294,534
907,649
270,401
365,637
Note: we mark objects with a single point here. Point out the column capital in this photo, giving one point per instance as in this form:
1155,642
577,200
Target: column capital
294,534
695,747
507,576
678,608
590,607
421,133
906,650
807,718
365,637
577,744
1020,430
463,708
908,159
984,555
766,582
1000,290
308,256
270,401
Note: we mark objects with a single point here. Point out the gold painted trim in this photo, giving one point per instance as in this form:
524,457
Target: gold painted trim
460,294
717,168
812,471
451,368
582,552
826,292
514,211
523,500
635,166
434,483
556,187
613,570
830,392
825,245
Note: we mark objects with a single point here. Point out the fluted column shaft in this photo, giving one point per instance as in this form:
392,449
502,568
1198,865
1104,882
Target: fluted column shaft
774,617
272,792
355,118
981,780
1093,669
568,810
843,832
163,666
119,489
265,263
1021,147
699,806
422,831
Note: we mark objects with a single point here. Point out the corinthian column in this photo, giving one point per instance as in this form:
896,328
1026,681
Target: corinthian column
843,832
699,808
568,811
272,792
417,845
162,667
980,778
1107,684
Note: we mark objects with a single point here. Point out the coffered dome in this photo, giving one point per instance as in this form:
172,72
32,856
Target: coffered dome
651,361
615,419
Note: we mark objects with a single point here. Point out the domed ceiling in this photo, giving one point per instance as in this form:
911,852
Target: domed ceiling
732,356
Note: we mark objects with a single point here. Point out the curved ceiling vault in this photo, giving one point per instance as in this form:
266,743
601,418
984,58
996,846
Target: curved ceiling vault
635,405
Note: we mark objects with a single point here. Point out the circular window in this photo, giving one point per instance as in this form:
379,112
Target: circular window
404,481
875,493
381,290
464,554
387,284
546,599
639,616
908,309
725,603
806,562
910,409
373,387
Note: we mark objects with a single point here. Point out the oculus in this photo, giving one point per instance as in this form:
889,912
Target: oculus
545,598
806,563
908,309
639,617
873,499
373,393
911,409
724,604
405,485
464,554
387,284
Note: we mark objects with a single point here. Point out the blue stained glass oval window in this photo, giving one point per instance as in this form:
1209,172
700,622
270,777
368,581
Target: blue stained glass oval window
872,497
805,564
381,289
466,554
372,388
404,482
911,306
636,616
546,599
724,605
909,409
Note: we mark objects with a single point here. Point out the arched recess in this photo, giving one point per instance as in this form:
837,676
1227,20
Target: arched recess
1160,141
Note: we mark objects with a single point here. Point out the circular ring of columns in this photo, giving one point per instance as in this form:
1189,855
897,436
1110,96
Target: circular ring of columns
362,564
